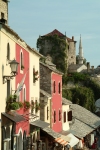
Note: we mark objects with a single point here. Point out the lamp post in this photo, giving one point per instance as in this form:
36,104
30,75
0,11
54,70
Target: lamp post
14,67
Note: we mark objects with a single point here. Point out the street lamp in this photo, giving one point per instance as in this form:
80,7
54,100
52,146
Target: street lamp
13,66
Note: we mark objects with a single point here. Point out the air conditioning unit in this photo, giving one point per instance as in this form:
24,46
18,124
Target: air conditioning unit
34,146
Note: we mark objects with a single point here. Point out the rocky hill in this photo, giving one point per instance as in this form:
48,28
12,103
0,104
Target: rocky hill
82,89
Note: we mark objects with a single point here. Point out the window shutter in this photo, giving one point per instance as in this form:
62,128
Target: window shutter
70,116
54,116
59,115
59,87
54,87
64,116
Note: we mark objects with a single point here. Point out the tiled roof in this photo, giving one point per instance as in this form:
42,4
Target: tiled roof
80,129
45,93
51,68
7,28
56,32
75,66
85,116
14,117
52,133
65,101
40,123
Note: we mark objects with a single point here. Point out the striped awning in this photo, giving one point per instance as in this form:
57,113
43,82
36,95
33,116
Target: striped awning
61,141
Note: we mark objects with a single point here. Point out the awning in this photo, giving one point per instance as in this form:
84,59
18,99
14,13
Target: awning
39,123
73,140
14,117
61,141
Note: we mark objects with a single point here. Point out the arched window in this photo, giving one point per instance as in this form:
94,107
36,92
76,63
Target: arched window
8,51
24,92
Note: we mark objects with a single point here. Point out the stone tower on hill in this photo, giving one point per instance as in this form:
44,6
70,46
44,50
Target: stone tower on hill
61,48
4,11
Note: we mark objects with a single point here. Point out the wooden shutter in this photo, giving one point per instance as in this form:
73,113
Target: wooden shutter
70,116
54,116
64,116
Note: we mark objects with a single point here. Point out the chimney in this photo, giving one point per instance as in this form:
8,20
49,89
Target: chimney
88,66
73,38
92,67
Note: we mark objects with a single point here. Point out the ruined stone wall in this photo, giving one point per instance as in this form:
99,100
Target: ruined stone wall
45,79
4,9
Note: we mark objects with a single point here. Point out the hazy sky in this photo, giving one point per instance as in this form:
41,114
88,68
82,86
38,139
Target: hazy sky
31,18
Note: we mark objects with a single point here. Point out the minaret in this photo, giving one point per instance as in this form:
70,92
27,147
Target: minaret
80,56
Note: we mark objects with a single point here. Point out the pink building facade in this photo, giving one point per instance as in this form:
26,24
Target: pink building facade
56,102
22,56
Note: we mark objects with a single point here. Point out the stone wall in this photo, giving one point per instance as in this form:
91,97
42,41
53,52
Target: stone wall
45,79
4,9
72,53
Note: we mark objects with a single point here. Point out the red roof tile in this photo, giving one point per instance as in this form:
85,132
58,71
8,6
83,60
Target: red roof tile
56,32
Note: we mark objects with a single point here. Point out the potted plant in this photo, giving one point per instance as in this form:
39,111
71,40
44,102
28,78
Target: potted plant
26,105
14,106
35,77
14,97
20,104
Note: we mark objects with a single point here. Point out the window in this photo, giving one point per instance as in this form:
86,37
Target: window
33,75
32,106
69,115
59,87
24,94
64,117
35,106
54,116
54,87
2,15
8,51
59,115
47,113
21,61
8,88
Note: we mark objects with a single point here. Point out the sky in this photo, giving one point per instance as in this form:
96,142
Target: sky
31,18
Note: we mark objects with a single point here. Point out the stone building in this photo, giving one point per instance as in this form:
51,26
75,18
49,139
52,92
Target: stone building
45,46
4,11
